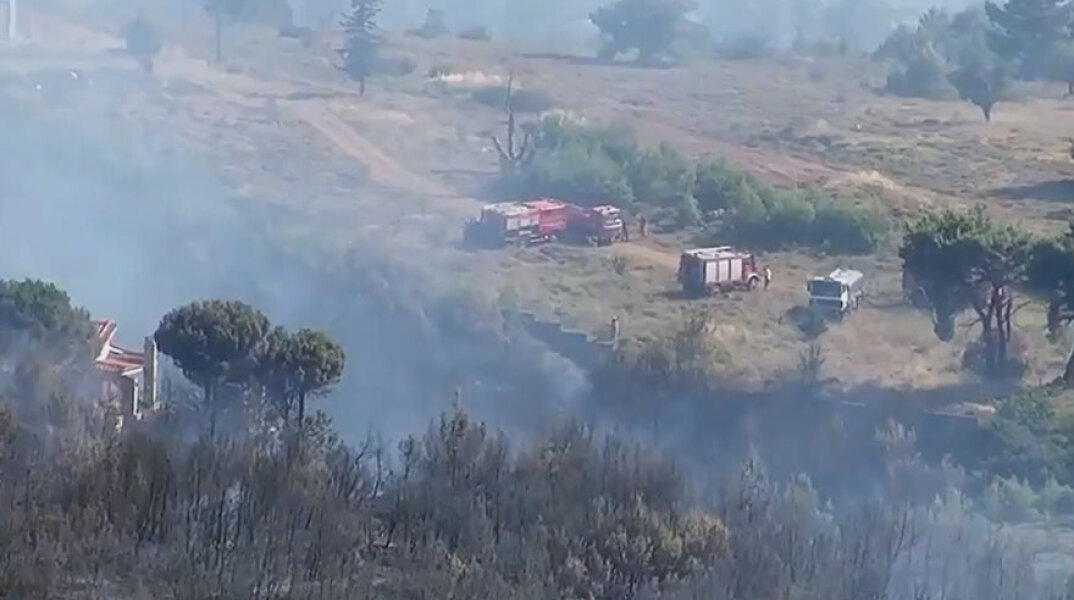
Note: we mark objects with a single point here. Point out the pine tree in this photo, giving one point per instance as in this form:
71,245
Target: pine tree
363,40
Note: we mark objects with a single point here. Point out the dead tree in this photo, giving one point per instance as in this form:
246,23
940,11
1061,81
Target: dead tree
513,157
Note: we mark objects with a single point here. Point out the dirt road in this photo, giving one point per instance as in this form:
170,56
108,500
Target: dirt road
381,168
390,173
243,89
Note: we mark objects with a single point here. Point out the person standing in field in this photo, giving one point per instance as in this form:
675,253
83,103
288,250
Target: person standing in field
767,276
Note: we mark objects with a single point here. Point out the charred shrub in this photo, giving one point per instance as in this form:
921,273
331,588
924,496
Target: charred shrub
811,322
141,38
394,66
302,34
475,34
745,47
975,358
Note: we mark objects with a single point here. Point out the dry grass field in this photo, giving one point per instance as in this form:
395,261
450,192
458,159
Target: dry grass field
405,166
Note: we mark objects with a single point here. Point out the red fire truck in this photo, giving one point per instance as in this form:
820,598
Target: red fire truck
707,270
542,220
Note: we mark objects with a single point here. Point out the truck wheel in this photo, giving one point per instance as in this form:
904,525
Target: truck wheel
751,283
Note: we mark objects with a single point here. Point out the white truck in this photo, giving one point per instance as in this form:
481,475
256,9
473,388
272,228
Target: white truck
838,293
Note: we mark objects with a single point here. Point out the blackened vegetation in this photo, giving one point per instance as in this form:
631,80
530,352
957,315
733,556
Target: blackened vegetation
458,512
142,41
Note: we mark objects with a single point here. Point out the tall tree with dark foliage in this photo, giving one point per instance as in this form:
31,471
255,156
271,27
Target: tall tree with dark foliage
363,40
295,367
213,341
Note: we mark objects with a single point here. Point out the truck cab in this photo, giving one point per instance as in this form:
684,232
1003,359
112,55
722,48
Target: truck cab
838,293
601,225
606,223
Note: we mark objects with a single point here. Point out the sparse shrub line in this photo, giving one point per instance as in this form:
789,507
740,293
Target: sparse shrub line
592,164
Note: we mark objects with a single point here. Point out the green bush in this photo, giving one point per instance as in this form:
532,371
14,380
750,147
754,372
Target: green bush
843,227
577,173
522,100
579,163
594,164
687,213
662,177
763,216
719,186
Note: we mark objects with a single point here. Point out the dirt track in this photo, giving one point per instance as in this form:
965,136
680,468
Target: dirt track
390,173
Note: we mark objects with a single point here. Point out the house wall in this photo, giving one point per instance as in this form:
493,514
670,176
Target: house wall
150,375
121,393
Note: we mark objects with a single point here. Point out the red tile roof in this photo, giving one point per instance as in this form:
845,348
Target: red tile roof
112,358
106,328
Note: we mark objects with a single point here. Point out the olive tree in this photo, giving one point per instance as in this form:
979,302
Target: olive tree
981,83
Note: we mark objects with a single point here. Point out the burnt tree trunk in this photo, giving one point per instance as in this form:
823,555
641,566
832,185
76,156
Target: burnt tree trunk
219,24
209,391
995,340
